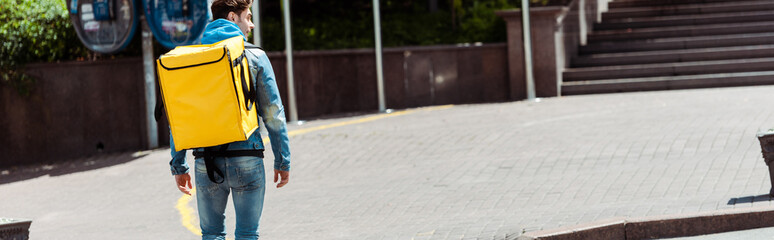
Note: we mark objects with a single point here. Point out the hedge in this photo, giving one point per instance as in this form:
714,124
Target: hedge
34,31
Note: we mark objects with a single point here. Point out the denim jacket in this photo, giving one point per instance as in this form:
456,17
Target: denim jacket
269,105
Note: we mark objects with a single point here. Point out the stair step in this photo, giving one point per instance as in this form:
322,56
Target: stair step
678,43
682,31
668,83
683,20
689,9
647,3
668,56
668,69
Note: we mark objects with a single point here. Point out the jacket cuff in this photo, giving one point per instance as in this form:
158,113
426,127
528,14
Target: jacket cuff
177,170
282,167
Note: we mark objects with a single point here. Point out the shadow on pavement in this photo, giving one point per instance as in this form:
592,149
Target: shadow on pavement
21,173
750,199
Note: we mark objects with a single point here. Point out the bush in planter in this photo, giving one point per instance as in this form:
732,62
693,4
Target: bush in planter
34,31
349,24
550,2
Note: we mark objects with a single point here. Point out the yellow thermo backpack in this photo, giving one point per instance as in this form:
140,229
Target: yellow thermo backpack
208,94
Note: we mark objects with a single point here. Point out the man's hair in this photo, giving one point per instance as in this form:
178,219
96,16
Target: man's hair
221,8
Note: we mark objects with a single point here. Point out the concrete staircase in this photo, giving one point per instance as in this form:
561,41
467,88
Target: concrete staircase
675,44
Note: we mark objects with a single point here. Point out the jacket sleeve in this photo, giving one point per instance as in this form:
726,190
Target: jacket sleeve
177,165
271,110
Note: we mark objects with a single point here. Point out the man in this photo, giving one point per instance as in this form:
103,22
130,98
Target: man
244,175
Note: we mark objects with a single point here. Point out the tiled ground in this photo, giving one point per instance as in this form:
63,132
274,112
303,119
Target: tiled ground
489,171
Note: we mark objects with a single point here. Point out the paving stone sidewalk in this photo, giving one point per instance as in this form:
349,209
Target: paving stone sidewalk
485,171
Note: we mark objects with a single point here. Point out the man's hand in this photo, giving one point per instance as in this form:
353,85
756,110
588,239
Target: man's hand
184,183
281,175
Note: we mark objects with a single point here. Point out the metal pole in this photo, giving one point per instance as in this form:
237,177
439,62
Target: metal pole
289,55
527,50
257,22
582,20
379,72
150,85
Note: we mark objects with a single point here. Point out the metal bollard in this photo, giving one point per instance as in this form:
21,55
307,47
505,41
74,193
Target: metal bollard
14,229
767,149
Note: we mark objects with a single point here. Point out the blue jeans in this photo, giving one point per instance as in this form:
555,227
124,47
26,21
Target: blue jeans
244,176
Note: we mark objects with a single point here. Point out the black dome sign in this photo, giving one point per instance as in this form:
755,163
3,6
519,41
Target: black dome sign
105,26
176,22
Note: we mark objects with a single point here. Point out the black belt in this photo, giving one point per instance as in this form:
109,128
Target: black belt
210,154
230,153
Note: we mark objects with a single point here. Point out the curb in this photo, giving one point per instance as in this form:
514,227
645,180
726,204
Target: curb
15,228
666,226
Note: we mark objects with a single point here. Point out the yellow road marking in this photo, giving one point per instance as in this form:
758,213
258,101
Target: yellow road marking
362,120
186,212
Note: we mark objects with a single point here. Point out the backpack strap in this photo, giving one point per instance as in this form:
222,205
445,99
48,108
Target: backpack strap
254,94
159,109
252,46
209,163
248,93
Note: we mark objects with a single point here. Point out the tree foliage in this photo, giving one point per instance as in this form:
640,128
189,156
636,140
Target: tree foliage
41,31
34,31
318,24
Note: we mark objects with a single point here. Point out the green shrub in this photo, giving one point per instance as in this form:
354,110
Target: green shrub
349,24
41,31
34,31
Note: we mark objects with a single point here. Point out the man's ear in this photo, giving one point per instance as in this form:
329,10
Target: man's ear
232,16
